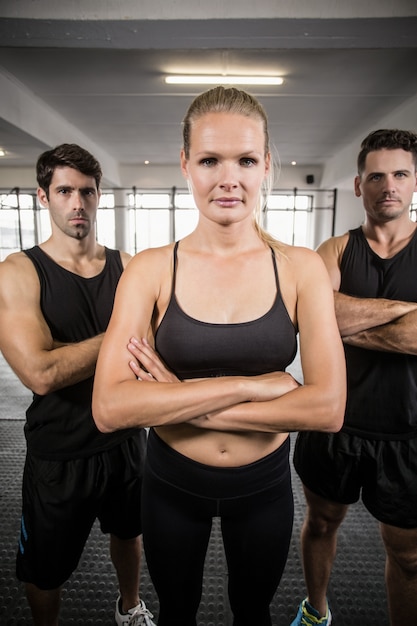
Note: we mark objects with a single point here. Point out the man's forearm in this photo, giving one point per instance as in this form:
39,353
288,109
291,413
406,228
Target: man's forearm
399,336
355,315
67,364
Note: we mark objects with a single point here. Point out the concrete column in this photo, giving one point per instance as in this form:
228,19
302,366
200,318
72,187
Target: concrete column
121,220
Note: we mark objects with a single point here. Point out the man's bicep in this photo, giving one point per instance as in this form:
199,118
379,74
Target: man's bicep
24,337
24,334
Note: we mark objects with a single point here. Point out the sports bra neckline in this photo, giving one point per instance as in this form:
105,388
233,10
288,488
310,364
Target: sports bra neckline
174,301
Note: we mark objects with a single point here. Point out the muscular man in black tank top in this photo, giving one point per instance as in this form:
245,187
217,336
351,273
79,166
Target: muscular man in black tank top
55,304
373,270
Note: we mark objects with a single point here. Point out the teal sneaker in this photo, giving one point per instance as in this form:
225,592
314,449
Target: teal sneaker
308,616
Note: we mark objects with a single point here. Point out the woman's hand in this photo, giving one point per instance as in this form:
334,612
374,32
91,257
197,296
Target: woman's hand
147,365
272,385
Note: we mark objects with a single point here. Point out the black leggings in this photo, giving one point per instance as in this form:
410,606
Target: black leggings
255,504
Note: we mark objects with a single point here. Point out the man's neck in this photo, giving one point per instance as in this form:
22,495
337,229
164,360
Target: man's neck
388,238
84,257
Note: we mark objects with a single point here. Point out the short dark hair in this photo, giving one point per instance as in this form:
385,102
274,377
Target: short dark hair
390,139
66,155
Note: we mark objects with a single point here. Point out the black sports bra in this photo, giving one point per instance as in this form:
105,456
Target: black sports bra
196,349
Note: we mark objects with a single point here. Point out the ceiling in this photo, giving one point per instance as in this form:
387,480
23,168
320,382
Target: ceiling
100,82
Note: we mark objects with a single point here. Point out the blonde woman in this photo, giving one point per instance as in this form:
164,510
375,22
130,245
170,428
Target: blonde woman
201,334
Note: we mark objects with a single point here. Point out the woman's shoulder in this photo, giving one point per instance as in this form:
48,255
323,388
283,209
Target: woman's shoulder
296,253
301,264
153,256
146,274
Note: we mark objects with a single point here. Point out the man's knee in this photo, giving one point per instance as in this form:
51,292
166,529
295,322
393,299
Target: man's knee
323,516
401,548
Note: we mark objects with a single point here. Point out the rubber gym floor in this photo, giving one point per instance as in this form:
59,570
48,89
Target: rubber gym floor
356,593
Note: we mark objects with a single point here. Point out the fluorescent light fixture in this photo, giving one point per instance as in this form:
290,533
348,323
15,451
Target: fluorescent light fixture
223,80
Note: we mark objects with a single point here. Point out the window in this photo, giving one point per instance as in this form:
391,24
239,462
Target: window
148,219
106,227
414,207
186,215
17,222
287,218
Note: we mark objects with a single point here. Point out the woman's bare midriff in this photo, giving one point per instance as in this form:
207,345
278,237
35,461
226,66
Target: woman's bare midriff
220,449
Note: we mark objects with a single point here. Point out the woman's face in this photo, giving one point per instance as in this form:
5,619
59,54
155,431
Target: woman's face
226,165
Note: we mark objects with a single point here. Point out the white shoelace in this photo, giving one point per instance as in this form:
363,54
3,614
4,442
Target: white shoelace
140,616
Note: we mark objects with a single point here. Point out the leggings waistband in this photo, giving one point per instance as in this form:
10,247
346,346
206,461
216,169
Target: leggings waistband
218,482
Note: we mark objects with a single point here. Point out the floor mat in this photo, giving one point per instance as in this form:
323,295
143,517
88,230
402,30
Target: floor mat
356,594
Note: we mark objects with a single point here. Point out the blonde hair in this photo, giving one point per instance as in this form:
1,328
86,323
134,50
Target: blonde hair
231,100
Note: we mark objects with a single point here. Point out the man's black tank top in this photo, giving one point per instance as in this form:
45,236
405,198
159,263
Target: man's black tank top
196,349
382,386
60,425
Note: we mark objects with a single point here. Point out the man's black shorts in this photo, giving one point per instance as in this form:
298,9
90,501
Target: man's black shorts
61,500
339,467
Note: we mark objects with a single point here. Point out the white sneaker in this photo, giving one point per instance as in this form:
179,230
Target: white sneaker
138,616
